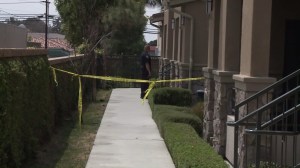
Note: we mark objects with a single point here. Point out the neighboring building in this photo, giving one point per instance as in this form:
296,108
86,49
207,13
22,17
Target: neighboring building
244,46
183,40
57,44
12,36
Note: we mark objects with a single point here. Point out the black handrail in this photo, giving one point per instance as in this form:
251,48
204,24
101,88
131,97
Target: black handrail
259,125
279,117
266,106
265,90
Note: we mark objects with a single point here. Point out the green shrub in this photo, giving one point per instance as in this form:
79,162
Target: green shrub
180,127
167,113
26,115
31,106
188,150
172,96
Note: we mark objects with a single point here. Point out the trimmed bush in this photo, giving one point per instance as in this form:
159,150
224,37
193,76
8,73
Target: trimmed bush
188,150
31,106
180,127
167,113
172,96
26,115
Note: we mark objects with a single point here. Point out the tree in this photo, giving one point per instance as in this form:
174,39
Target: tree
13,21
154,2
153,43
35,25
87,21
56,25
127,25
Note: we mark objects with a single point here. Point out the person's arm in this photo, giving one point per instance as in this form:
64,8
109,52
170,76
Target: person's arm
148,69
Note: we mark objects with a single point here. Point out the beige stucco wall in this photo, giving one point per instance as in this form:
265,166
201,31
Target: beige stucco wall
213,36
281,11
197,10
168,34
12,36
255,40
230,39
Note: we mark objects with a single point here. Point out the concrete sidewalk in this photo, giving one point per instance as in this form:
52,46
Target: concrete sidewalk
128,137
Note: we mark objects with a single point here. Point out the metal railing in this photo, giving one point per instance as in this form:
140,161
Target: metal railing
165,70
270,123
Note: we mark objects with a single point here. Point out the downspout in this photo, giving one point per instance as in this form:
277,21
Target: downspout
191,41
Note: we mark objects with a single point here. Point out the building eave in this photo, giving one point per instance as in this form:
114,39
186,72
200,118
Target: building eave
157,17
177,3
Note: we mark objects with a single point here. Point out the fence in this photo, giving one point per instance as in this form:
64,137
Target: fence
126,66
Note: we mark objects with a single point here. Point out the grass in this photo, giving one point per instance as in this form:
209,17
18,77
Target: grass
71,145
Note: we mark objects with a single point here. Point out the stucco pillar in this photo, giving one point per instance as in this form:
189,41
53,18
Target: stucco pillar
254,66
228,64
255,43
212,63
169,34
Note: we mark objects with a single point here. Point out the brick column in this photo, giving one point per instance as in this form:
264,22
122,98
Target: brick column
228,64
212,61
209,85
176,73
183,73
224,92
172,72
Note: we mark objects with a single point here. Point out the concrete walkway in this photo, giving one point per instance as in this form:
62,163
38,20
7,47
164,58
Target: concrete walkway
128,137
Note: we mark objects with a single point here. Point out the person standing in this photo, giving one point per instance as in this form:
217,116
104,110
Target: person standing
146,69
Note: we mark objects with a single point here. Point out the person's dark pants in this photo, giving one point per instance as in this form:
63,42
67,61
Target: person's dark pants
144,86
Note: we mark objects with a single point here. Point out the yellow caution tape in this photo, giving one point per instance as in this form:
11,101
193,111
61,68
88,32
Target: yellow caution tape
54,76
116,79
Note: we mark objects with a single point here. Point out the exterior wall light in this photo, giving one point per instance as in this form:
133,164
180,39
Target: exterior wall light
182,20
209,6
173,24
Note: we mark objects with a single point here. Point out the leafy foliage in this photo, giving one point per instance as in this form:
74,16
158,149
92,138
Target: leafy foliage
31,106
180,129
188,150
33,24
172,96
167,113
25,111
90,20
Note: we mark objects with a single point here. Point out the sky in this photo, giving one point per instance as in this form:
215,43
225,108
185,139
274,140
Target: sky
38,7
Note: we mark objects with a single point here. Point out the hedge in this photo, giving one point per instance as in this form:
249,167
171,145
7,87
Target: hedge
172,96
26,115
32,106
188,150
166,113
181,130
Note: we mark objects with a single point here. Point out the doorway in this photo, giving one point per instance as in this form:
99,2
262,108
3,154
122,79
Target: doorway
292,47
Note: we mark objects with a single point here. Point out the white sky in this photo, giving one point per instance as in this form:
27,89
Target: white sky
38,7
